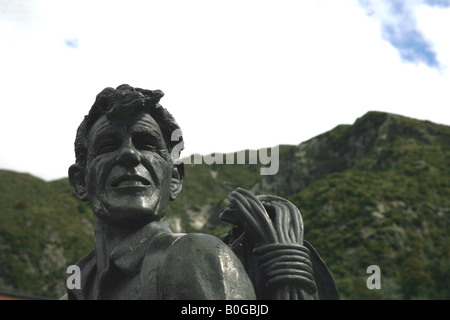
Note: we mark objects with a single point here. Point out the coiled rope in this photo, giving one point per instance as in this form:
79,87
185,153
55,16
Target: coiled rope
283,259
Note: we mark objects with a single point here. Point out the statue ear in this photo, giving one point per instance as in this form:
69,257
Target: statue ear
176,183
78,182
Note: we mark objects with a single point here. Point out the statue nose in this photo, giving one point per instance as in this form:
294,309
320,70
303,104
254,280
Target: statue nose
128,155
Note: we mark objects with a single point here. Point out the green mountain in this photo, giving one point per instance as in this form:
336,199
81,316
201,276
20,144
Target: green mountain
372,193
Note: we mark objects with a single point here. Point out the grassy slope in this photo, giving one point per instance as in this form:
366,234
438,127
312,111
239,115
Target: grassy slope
42,229
376,192
389,208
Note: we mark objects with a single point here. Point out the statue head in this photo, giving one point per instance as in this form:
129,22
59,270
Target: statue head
124,157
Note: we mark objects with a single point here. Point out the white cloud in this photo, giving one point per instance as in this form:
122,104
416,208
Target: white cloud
398,23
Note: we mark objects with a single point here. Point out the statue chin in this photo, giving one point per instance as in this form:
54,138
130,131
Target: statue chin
123,217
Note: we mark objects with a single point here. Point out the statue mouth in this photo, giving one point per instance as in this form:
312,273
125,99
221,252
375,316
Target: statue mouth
130,180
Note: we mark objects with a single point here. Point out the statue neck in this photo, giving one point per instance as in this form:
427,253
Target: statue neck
107,237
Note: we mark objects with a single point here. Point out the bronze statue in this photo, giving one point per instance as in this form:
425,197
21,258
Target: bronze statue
126,170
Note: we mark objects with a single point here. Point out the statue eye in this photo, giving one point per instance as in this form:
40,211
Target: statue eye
102,146
107,146
145,142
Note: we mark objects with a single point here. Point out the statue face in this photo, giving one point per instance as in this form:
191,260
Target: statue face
128,173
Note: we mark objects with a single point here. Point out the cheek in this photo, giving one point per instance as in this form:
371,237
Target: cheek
159,168
167,175
98,169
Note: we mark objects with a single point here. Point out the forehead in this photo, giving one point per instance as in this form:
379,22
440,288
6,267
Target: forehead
139,123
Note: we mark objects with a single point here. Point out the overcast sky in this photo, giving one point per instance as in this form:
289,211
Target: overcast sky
237,74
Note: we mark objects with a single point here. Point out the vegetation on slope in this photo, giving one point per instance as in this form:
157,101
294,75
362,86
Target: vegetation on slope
372,193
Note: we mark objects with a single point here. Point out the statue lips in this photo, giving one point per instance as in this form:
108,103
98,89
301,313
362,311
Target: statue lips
130,182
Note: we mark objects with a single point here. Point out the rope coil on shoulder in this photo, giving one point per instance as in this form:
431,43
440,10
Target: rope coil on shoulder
286,263
283,259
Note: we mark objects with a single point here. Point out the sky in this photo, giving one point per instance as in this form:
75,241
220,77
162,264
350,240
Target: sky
237,74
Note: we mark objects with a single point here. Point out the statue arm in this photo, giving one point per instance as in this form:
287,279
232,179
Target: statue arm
200,266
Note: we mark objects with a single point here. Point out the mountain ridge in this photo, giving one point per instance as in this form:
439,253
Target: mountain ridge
373,192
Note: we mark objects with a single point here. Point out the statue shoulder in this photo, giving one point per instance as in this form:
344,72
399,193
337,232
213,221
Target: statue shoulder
198,251
200,243
201,266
